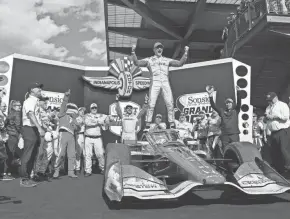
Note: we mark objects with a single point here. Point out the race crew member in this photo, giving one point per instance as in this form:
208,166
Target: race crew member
159,68
158,125
94,124
184,128
277,118
213,134
229,117
80,139
130,121
67,128
201,130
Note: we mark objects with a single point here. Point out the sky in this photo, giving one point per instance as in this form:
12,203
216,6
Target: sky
71,31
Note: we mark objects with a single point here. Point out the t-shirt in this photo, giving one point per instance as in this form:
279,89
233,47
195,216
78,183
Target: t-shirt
31,104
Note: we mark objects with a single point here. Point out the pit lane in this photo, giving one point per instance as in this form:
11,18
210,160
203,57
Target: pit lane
81,198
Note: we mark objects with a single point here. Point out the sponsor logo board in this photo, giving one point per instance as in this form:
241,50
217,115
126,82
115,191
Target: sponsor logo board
192,104
116,126
55,99
125,77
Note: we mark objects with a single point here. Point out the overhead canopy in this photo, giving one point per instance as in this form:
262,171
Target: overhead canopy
176,23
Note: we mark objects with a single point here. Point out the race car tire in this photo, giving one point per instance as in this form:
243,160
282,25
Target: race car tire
244,151
114,152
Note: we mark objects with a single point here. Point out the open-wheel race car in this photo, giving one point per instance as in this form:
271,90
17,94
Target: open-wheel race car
162,167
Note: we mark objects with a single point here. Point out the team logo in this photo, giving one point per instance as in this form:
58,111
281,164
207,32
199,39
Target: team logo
124,76
116,125
192,104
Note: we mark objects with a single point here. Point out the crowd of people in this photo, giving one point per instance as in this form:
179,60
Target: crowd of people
36,141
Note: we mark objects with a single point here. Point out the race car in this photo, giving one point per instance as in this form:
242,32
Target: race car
162,167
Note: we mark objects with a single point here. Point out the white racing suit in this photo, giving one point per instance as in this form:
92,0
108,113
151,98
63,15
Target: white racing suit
159,68
129,124
93,140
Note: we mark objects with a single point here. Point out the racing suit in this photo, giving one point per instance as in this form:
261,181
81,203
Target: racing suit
159,68
80,142
94,123
258,130
129,124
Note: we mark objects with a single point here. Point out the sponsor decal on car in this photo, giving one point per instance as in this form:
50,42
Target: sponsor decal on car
254,180
141,184
192,104
125,77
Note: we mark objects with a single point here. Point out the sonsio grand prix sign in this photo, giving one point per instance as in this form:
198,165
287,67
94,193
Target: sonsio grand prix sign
192,104
116,125
125,77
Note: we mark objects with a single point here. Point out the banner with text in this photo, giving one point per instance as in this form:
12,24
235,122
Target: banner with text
192,104
55,99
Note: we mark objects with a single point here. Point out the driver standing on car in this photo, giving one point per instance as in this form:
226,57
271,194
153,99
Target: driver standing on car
158,125
159,68
130,121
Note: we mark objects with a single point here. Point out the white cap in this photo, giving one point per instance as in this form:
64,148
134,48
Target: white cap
93,105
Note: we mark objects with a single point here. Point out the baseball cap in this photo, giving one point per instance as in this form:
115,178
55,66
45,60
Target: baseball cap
128,106
94,105
182,114
229,100
82,108
270,96
158,44
159,116
35,85
201,112
42,98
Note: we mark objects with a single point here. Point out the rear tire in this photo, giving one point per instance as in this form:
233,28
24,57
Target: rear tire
114,152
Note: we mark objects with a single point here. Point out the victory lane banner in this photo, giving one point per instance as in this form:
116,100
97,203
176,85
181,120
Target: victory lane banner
192,104
116,126
55,99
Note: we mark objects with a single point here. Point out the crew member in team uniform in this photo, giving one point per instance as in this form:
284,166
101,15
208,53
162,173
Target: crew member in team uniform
159,68
80,139
229,117
94,124
130,121
158,125
213,135
201,130
184,128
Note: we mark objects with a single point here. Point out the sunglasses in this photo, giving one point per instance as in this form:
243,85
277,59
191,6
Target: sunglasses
94,108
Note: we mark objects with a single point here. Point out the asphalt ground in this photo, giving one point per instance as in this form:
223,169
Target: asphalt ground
81,198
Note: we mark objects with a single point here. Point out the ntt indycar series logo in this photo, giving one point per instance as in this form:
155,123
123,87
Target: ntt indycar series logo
124,77
192,104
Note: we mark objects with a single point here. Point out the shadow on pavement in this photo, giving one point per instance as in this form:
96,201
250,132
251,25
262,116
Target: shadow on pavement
7,200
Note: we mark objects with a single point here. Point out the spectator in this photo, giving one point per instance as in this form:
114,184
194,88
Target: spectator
258,130
80,139
5,175
31,132
67,129
158,125
3,108
277,118
229,117
13,126
184,128
94,123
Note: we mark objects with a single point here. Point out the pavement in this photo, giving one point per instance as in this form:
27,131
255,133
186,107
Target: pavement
67,198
